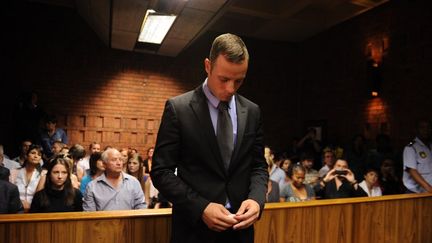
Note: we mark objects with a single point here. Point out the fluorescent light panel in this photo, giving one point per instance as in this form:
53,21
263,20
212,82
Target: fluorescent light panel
155,27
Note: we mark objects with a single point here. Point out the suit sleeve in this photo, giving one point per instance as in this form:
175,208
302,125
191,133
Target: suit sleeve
259,174
15,204
166,157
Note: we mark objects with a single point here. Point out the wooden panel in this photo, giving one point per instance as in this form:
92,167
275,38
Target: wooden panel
28,232
387,219
307,224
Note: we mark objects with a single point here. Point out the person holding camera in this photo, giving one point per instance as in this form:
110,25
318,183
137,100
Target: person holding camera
340,183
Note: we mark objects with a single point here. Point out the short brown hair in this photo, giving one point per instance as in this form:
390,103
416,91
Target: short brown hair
231,46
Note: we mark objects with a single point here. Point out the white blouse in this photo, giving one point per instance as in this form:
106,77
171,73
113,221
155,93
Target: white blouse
375,192
26,190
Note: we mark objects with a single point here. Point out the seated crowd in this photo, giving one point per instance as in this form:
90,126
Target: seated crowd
306,171
66,179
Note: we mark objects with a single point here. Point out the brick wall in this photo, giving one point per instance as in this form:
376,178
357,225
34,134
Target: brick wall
117,97
334,76
98,94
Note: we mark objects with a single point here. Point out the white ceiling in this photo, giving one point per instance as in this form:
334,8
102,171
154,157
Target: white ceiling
118,22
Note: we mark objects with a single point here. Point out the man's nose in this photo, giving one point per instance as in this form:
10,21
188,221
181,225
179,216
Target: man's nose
230,86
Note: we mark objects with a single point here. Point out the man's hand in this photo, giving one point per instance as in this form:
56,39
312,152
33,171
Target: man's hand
329,176
217,217
247,214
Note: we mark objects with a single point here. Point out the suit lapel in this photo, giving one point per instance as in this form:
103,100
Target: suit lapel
200,108
241,125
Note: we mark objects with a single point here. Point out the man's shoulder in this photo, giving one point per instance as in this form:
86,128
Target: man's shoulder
7,186
95,181
11,164
246,102
185,97
131,179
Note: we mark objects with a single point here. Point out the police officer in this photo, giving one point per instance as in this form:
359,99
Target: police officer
417,160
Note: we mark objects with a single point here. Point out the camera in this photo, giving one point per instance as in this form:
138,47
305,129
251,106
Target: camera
341,172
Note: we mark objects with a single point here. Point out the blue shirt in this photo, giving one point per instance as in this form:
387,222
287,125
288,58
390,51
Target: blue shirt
84,182
48,141
213,103
101,196
417,155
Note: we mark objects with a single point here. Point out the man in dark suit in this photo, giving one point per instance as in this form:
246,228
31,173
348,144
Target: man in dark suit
220,187
9,195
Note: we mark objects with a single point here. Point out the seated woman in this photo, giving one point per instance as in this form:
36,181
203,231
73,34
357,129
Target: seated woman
74,178
97,168
58,194
297,190
135,168
285,163
339,182
369,184
27,177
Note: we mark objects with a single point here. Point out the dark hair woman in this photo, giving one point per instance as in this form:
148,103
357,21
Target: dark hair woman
58,194
27,177
97,168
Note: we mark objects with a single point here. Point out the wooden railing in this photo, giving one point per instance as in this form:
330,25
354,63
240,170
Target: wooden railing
393,219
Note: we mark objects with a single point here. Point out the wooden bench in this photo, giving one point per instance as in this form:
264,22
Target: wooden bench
400,218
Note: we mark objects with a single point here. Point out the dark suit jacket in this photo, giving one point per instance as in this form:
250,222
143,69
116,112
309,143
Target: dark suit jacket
9,198
187,141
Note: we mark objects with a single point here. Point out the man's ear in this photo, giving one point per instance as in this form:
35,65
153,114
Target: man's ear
207,65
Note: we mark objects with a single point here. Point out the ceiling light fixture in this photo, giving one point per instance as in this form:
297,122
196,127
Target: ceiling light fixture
155,27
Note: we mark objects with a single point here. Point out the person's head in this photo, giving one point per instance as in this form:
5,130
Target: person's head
33,156
328,157
57,147
133,151
150,152
94,147
358,141
424,129
1,153
285,164
4,173
311,132
65,150
25,144
96,163
59,178
113,161
307,161
296,173
50,122
371,176
388,168
58,173
226,66
77,152
269,156
341,164
135,166
124,154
